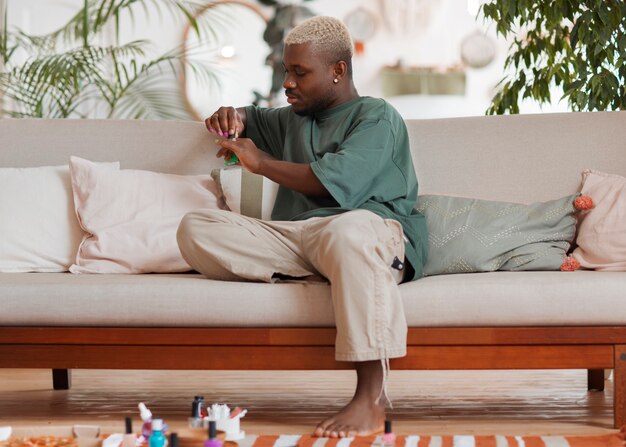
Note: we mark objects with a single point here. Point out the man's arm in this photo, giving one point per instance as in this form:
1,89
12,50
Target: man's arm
296,176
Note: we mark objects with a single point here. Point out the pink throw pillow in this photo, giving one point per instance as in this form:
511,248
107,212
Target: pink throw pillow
601,236
131,217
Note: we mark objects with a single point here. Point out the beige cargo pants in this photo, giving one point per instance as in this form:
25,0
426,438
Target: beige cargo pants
354,251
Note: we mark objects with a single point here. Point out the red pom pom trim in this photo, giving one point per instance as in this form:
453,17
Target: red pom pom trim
583,203
570,264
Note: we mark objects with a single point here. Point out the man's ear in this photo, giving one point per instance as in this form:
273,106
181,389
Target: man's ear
340,69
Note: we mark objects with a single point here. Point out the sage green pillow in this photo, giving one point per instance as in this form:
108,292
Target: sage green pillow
471,235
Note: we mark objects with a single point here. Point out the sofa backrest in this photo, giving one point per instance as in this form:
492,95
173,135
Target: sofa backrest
523,158
165,146
520,158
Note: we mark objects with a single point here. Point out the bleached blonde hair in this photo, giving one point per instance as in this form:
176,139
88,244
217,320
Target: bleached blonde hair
326,35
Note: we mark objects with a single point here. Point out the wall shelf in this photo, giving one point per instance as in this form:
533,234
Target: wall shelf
421,81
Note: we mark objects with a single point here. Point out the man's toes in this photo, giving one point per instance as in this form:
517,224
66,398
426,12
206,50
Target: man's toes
351,433
343,431
331,431
321,428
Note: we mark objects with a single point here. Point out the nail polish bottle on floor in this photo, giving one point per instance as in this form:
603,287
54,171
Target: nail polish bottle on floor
156,438
146,417
212,441
389,438
129,439
195,421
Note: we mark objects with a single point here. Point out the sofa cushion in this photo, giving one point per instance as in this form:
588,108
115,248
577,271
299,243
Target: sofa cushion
179,300
470,235
131,217
602,230
39,231
245,192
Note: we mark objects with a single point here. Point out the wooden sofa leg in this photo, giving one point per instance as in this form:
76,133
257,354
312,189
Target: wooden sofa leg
61,379
619,379
595,379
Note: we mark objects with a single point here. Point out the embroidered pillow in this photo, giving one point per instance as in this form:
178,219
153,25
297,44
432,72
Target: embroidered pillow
470,235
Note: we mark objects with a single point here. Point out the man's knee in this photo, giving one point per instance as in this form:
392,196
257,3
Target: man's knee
350,230
185,232
194,224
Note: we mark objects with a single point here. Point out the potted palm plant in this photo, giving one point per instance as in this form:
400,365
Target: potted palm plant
69,74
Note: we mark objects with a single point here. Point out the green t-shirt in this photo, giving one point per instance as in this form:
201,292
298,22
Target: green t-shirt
360,152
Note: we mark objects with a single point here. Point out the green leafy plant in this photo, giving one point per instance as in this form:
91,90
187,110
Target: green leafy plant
578,46
67,74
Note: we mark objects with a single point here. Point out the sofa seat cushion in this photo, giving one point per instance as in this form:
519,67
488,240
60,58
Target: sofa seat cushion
189,300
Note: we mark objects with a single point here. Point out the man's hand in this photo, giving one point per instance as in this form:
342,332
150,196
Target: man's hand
296,176
227,121
250,156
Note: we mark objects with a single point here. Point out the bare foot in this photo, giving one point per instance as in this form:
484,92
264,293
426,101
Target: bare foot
360,417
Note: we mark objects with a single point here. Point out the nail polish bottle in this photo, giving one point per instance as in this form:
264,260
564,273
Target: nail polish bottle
156,438
146,417
195,421
232,160
212,441
389,438
173,440
129,439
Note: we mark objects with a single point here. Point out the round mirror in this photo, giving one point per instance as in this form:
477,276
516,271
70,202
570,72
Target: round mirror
237,62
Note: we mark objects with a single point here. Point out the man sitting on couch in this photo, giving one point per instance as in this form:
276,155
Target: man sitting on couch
344,209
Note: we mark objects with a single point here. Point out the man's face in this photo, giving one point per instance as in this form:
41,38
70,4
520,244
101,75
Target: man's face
308,79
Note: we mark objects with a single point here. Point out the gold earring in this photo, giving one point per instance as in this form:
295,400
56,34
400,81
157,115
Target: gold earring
336,81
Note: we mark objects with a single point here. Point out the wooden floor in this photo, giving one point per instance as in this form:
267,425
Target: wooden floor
286,402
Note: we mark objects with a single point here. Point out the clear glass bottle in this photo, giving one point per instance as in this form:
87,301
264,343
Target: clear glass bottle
195,421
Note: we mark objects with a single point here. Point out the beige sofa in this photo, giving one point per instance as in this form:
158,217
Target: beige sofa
503,320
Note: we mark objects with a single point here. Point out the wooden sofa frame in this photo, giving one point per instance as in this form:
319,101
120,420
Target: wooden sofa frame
593,348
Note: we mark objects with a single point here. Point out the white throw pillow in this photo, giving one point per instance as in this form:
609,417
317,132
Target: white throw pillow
131,217
246,193
39,231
